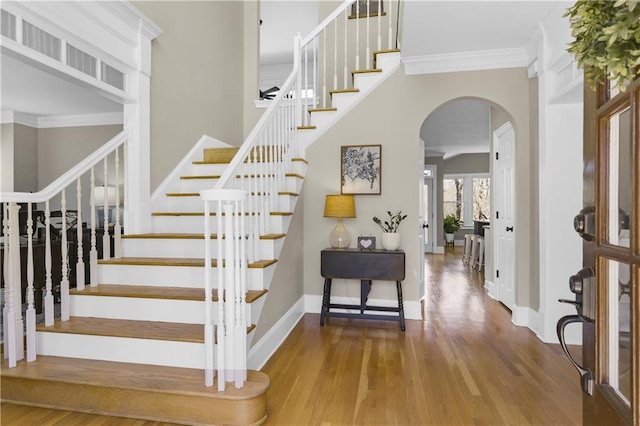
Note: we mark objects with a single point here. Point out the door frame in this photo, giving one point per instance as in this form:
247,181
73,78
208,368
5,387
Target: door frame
430,214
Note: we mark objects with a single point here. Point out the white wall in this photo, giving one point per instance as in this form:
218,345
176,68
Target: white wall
6,157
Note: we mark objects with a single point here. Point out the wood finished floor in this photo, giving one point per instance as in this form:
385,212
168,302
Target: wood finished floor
465,364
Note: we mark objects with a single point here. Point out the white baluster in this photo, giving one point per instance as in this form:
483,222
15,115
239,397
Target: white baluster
31,311
307,116
10,317
299,111
64,283
335,54
324,68
117,229
240,329
48,297
93,253
17,281
379,25
390,22
209,340
368,54
80,278
346,37
243,292
357,35
221,359
6,266
314,103
106,243
229,290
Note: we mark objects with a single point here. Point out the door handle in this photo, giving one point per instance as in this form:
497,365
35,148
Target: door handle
586,377
509,229
585,223
425,225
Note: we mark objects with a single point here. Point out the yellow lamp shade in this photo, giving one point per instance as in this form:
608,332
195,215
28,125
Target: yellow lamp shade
340,206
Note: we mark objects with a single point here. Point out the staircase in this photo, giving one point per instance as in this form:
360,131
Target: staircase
134,344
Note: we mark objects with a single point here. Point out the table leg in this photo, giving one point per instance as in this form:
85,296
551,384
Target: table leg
400,305
365,289
326,296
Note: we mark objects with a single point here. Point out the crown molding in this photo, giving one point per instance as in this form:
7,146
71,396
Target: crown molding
54,121
466,61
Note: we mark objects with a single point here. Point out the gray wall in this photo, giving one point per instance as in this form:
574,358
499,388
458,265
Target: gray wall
392,116
25,150
6,157
197,82
467,163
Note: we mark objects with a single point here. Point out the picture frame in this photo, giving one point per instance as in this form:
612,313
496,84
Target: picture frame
366,242
373,8
361,169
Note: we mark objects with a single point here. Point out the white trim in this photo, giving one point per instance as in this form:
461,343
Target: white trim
490,288
438,249
17,117
102,119
466,61
273,339
524,316
412,309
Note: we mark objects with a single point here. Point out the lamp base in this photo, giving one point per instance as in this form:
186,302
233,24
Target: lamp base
339,237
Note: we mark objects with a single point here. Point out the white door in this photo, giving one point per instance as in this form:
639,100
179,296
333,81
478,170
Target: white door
427,202
504,236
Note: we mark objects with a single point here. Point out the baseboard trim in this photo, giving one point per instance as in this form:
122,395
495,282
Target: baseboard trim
438,250
313,304
524,316
490,288
271,341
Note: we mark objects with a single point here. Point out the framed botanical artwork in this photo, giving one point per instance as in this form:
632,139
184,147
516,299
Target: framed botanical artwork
360,169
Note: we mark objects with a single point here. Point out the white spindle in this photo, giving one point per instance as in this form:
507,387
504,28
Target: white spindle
243,291
5,265
64,284
324,68
368,54
80,278
17,280
221,359
31,311
117,229
106,243
346,37
357,35
93,253
314,93
48,298
335,54
229,289
10,317
379,24
209,340
390,23
307,118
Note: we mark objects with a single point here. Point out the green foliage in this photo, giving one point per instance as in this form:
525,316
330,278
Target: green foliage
607,40
451,224
393,223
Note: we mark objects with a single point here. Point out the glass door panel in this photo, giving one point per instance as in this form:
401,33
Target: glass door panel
620,177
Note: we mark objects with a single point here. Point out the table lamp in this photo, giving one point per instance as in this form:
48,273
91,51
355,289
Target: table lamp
340,206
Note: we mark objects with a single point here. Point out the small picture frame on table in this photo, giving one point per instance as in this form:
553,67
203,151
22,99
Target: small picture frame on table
366,243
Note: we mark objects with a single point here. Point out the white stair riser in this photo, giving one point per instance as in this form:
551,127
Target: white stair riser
343,100
147,309
122,349
284,203
388,61
167,248
366,81
323,118
174,276
195,224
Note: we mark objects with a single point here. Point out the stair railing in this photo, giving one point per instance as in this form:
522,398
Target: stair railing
248,191
24,229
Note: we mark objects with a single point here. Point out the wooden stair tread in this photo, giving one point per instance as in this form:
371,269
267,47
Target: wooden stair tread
153,330
148,378
300,159
161,261
219,155
335,92
330,109
200,177
197,194
156,292
170,236
306,127
366,71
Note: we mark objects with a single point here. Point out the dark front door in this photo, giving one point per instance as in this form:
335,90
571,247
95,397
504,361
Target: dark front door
611,345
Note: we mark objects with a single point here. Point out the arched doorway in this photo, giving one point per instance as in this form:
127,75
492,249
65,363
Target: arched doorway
465,178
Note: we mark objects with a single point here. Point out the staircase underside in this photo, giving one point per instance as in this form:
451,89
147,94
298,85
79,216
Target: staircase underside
166,394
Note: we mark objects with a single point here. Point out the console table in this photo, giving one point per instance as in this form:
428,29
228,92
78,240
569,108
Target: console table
363,265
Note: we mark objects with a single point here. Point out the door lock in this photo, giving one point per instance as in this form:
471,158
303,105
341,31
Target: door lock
583,285
585,223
